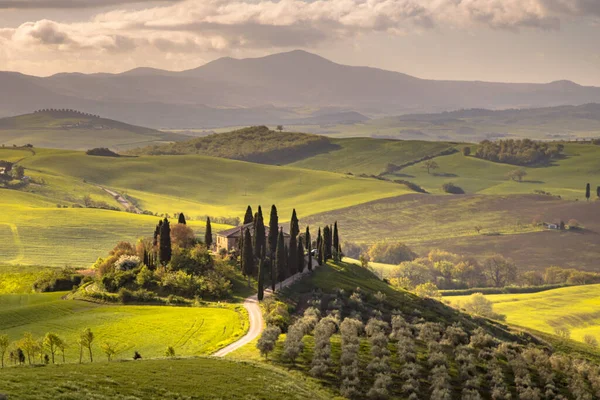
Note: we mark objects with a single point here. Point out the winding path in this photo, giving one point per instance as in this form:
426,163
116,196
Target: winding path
252,305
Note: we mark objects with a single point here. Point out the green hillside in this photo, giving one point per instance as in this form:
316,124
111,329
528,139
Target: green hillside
199,378
147,329
199,185
575,308
254,144
69,129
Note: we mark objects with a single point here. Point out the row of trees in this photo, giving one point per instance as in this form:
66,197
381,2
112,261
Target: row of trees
518,152
268,256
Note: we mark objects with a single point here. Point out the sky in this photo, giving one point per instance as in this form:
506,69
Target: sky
489,40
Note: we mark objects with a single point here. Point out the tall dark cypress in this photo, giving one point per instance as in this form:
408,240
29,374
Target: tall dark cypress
259,234
300,255
294,227
165,250
587,191
320,249
248,218
336,239
281,258
293,256
247,255
308,248
598,192
157,233
146,258
326,243
261,279
273,231
208,238
273,269
181,219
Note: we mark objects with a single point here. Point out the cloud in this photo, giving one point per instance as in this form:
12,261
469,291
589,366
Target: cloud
66,4
180,30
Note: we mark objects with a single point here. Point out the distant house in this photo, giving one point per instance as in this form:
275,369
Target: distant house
552,226
230,238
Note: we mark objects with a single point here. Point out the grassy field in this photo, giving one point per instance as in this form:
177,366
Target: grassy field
566,177
66,130
147,329
199,378
370,156
200,185
426,222
575,308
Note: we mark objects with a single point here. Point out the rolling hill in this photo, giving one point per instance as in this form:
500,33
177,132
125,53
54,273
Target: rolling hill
280,88
70,129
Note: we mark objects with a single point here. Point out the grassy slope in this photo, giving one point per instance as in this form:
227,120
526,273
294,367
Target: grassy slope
201,378
200,185
147,329
574,307
566,178
48,130
370,156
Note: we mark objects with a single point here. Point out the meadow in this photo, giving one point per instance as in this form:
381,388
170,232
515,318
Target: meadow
575,308
197,378
147,329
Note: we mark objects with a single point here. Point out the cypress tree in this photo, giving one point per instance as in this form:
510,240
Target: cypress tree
309,248
181,219
300,255
273,269
587,191
294,227
293,256
320,248
336,238
165,250
273,231
261,279
208,239
259,234
248,217
146,258
326,243
598,191
157,233
280,258
247,255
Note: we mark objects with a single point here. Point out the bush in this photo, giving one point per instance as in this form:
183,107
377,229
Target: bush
466,151
57,280
101,151
477,304
427,290
391,253
452,188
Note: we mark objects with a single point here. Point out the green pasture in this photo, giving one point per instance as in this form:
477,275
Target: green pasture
147,329
566,177
575,308
195,378
370,156
200,185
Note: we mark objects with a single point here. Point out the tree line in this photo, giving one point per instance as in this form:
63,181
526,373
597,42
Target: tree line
518,152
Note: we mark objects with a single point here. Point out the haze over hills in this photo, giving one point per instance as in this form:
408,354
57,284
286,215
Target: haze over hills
291,88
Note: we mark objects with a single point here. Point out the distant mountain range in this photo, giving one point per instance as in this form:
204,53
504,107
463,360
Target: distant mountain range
288,88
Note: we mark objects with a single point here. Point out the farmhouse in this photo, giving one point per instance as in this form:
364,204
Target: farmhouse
230,238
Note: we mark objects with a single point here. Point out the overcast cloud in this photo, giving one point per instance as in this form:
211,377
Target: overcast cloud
175,33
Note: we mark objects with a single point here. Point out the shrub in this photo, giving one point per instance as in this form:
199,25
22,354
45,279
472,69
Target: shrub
477,304
127,262
391,253
590,340
466,151
427,290
57,280
101,151
451,188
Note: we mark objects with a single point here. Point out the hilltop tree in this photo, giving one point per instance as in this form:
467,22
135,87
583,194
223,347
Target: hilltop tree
430,165
208,239
294,227
86,338
273,230
4,344
336,239
247,255
308,248
517,175
249,217
320,248
300,254
261,279
165,250
53,343
280,128
466,151
259,234
587,192
181,219
281,258
293,256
